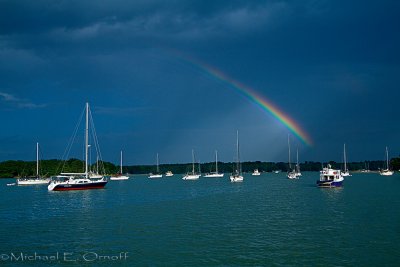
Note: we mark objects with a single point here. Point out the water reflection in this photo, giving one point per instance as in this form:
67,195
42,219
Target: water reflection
333,193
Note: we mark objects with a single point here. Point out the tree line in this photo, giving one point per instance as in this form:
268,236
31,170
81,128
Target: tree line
16,168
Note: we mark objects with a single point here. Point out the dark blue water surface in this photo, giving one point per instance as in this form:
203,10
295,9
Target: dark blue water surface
264,221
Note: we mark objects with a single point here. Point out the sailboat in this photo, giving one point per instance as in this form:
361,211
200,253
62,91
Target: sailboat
298,172
34,180
78,181
158,174
215,174
345,171
96,174
191,175
119,176
366,170
256,172
386,172
291,173
169,174
237,176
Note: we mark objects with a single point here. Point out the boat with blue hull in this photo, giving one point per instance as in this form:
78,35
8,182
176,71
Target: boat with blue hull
79,181
75,182
330,177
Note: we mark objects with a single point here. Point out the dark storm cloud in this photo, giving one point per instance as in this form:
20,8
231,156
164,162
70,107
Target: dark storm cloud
74,21
295,53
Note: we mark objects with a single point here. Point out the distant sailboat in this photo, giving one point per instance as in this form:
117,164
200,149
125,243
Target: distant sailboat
387,171
215,174
298,172
78,181
96,174
157,174
366,170
256,173
292,172
237,174
191,175
345,171
120,175
169,174
34,180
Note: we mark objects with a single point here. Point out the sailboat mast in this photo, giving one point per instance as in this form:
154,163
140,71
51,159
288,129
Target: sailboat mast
216,161
37,159
387,159
192,161
87,140
199,167
158,168
344,156
297,160
237,151
121,163
288,138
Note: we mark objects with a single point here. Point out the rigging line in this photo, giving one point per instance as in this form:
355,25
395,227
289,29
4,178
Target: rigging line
96,140
40,161
70,143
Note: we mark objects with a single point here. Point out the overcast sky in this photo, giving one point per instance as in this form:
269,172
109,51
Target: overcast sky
331,66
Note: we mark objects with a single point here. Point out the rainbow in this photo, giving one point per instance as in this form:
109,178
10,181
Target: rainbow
253,96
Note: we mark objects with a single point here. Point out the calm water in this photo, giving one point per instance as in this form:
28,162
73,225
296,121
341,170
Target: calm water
265,221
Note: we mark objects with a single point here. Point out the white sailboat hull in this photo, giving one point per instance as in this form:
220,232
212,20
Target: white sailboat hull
118,178
32,181
191,177
236,178
152,176
214,175
292,175
386,173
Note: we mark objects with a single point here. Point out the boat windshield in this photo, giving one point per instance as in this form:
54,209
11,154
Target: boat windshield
327,178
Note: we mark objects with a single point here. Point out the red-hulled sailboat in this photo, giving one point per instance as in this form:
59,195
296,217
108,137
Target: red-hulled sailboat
78,181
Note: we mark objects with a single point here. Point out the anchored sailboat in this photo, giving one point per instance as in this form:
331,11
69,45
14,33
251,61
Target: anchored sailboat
387,171
191,175
346,171
78,181
157,174
119,176
215,174
95,174
292,172
298,172
237,176
34,180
